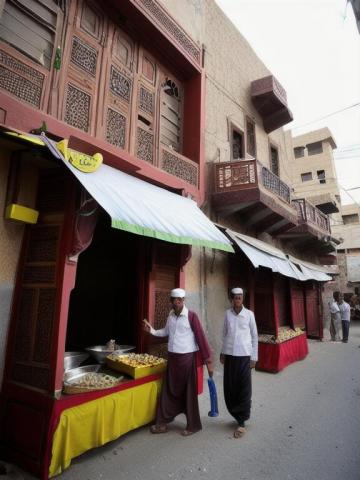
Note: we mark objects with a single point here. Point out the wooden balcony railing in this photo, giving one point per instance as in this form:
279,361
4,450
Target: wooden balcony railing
244,174
308,213
230,176
273,183
182,167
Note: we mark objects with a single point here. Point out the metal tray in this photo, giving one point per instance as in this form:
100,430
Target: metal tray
76,373
74,359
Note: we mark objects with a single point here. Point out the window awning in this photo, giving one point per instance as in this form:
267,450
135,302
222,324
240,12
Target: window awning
139,207
312,271
262,254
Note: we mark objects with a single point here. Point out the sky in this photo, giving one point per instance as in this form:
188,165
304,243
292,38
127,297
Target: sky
313,49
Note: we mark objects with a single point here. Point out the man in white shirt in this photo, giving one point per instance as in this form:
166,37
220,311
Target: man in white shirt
344,308
335,318
239,355
186,344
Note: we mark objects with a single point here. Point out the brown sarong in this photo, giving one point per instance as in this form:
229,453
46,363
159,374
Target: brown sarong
179,391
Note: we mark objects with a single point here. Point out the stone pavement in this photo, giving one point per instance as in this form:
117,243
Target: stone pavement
305,425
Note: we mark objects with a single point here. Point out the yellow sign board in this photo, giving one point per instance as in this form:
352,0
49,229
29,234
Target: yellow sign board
20,213
83,162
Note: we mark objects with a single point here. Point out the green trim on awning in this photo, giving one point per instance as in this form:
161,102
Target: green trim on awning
169,237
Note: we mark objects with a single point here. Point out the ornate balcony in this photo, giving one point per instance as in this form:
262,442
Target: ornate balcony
269,99
260,197
179,166
313,229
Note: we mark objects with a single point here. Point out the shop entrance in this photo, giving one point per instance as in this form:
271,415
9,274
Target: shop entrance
105,303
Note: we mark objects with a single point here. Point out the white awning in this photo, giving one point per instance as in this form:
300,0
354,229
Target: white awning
139,207
311,270
261,254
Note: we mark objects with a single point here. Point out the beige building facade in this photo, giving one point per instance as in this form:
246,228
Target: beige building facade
348,252
236,129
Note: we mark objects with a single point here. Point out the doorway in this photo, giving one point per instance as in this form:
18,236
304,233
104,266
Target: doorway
105,302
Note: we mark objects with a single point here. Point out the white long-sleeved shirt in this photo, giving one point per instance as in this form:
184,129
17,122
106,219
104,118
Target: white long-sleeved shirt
344,308
240,337
334,307
179,331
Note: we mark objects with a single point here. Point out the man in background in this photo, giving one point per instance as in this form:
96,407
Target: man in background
344,308
335,318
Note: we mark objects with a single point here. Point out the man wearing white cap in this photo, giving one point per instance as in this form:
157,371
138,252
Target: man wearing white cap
239,356
186,342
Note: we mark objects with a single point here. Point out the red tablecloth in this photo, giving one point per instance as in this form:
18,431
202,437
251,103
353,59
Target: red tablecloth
275,357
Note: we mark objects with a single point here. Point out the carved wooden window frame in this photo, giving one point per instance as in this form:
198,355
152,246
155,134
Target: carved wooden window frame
249,121
275,147
233,128
78,76
164,76
109,98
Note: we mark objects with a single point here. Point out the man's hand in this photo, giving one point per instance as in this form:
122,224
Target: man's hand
210,368
222,358
252,363
146,325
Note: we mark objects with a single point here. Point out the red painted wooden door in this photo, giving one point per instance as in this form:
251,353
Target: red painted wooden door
264,302
297,304
314,327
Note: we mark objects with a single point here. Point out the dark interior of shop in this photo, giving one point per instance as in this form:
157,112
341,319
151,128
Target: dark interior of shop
103,304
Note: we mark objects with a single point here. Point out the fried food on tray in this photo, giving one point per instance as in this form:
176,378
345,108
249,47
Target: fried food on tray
98,380
137,360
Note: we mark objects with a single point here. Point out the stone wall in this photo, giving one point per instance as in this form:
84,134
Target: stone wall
10,243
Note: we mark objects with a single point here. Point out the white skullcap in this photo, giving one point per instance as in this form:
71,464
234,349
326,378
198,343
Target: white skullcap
177,293
237,291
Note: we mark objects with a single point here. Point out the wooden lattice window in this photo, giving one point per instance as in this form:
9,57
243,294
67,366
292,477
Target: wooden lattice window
237,144
171,114
90,21
250,138
29,26
274,160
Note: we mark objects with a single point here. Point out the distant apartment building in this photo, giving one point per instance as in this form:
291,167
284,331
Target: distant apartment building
348,252
313,171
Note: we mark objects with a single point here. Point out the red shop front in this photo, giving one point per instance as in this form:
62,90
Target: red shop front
84,277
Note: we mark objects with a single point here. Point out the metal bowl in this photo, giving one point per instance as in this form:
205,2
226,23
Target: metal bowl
76,373
100,352
74,359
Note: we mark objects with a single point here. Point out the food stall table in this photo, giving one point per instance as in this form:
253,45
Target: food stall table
275,357
85,421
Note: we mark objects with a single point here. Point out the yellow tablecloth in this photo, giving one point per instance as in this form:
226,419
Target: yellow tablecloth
99,421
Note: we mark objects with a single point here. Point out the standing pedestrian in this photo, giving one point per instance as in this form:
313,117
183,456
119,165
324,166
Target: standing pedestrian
335,318
239,355
344,308
186,342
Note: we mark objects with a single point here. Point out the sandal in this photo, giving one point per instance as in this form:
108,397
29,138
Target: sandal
239,432
158,429
187,433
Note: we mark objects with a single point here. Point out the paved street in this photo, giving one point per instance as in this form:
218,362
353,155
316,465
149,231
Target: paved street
305,425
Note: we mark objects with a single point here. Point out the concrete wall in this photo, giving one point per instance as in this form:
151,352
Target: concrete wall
353,267
230,67
10,243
